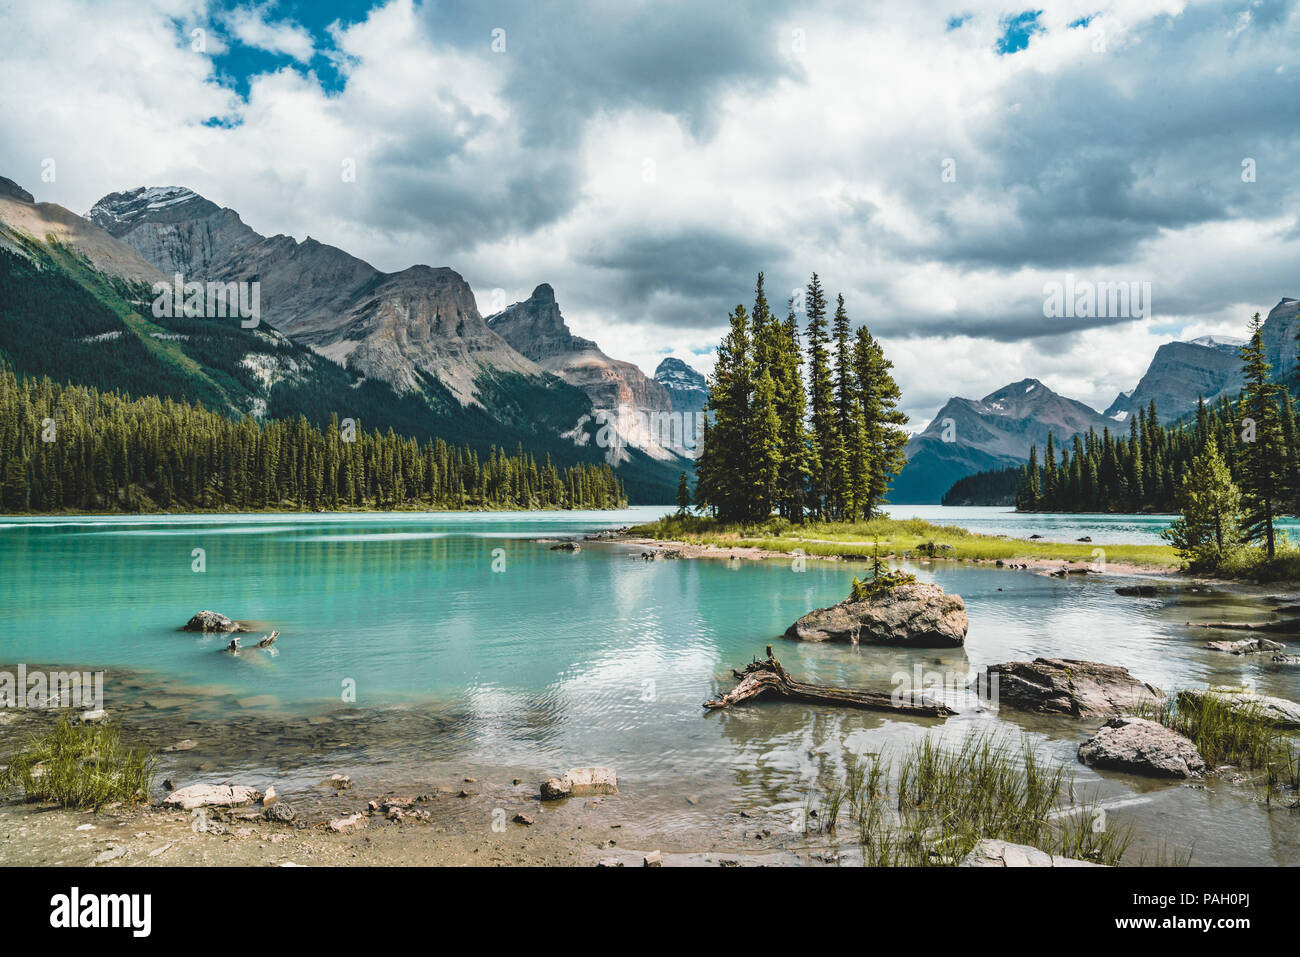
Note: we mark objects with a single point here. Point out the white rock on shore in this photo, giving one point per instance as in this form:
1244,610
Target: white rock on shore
212,795
989,853
580,782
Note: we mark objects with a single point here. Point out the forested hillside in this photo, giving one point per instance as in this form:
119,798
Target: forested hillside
77,448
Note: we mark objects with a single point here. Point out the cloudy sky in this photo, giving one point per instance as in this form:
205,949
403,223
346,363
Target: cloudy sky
936,162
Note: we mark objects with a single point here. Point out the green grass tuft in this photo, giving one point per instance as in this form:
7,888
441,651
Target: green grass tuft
80,766
933,806
897,537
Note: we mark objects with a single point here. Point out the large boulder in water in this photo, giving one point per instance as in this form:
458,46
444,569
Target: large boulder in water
1081,689
1140,746
212,621
917,615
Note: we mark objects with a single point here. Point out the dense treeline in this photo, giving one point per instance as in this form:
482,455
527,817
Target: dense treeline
826,448
1231,471
994,487
73,447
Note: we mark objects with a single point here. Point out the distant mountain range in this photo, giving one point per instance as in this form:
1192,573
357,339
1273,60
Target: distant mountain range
968,436
337,336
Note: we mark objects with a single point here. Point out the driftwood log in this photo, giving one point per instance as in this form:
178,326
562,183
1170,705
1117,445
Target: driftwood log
1289,626
768,677
235,648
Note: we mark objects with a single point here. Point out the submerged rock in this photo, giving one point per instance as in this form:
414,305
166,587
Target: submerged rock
988,853
918,615
1246,646
212,621
1140,746
566,547
1283,713
1081,689
1286,659
1138,591
213,795
580,782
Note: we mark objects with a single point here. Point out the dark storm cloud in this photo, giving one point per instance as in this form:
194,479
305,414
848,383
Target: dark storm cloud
570,61
458,205
1089,168
687,279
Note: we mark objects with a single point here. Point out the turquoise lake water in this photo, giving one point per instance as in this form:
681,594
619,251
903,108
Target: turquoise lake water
557,659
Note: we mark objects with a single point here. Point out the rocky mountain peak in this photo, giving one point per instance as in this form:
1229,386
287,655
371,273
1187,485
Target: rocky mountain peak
119,213
688,387
536,327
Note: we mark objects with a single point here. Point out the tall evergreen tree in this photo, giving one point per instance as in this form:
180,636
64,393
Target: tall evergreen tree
882,420
722,476
683,495
792,410
1263,458
824,450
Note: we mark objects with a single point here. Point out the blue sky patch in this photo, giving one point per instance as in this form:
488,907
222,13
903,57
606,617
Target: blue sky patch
1017,30
242,60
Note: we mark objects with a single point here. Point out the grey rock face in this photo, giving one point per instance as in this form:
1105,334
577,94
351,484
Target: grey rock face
392,327
1279,338
1179,374
989,853
1139,746
919,616
688,388
536,328
1068,686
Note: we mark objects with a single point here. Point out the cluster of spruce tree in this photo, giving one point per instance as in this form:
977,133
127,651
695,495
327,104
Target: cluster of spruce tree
826,448
1243,452
73,447
994,487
